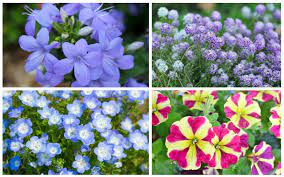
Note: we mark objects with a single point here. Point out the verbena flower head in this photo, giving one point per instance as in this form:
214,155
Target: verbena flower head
194,99
275,119
161,107
242,110
262,159
189,142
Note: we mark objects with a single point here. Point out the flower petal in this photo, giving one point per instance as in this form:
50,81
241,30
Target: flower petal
43,36
82,73
33,61
126,62
28,43
63,67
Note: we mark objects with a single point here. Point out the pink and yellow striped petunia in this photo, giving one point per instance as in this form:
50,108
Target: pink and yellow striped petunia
161,108
227,147
278,170
242,110
275,119
264,96
194,99
189,142
262,159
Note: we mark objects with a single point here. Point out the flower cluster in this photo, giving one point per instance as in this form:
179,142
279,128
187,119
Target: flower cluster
196,50
79,43
72,132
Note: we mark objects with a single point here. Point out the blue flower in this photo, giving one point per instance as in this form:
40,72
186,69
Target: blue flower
103,93
71,132
96,113
42,102
65,171
16,112
29,98
55,118
53,149
36,144
136,95
81,163
43,158
85,134
87,92
7,103
110,108
46,112
127,125
15,145
66,94
118,152
76,108
144,123
70,120
15,163
21,127
139,140
40,49
92,102
103,151
102,123
96,170
85,148
115,138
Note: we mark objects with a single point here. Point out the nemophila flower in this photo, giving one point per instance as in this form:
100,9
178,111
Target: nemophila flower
36,144
227,147
110,108
76,108
81,163
44,159
118,152
96,170
103,151
40,48
127,125
91,102
53,149
144,123
161,108
115,138
264,96
102,93
189,142
195,99
102,123
71,132
262,159
7,103
87,92
242,110
135,95
21,127
15,145
275,119
42,102
70,120
28,98
55,118
45,112
16,112
139,140
15,163
85,134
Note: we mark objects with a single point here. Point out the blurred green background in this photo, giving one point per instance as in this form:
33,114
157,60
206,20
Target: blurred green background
136,18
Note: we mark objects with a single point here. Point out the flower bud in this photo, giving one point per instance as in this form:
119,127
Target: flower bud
135,46
64,35
85,31
63,15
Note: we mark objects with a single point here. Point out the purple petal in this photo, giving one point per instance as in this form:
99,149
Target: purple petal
265,167
115,47
33,61
95,73
43,18
69,50
93,59
82,73
110,68
52,45
63,67
43,36
110,83
49,61
82,47
28,43
30,27
93,6
85,16
71,8
55,79
40,78
126,62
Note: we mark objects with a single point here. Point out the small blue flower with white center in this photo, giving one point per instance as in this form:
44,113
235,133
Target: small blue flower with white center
118,152
104,151
8,93
96,112
96,170
102,123
87,92
15,163
15,145
110,108
85,148
119,93
7,103
81,163
70,120
144,123
127,125
16,112
21,127
92,102
71,132
127,144
29,98
46,112
42,102
85,134
139,140
55,118
36,144
65,171
44,159
76,108
106,133
103,93
115,138
66,94
53,149
136,95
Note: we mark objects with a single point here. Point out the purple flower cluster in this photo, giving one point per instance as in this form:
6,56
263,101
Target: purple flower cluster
232,52
92,54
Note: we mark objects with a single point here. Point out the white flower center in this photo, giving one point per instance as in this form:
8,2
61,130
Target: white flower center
23,128
53,150
28,98
84,134
102,152
101,123
36,145
76,109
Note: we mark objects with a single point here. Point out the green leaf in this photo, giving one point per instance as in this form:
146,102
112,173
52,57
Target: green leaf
251,139
157,147
277,154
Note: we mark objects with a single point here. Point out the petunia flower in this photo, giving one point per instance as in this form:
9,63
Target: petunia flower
189,142
242,110
227,147
264,96
40,48
262,159
278,170
194,99
275,119
161,108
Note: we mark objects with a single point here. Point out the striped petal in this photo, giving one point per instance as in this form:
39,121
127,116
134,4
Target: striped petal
194,99
161,108
275,120
264,96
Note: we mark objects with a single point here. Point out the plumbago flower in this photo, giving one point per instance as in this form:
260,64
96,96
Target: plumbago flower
88,35
75,132
189,142
262,159
161,108
194,99
242,110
